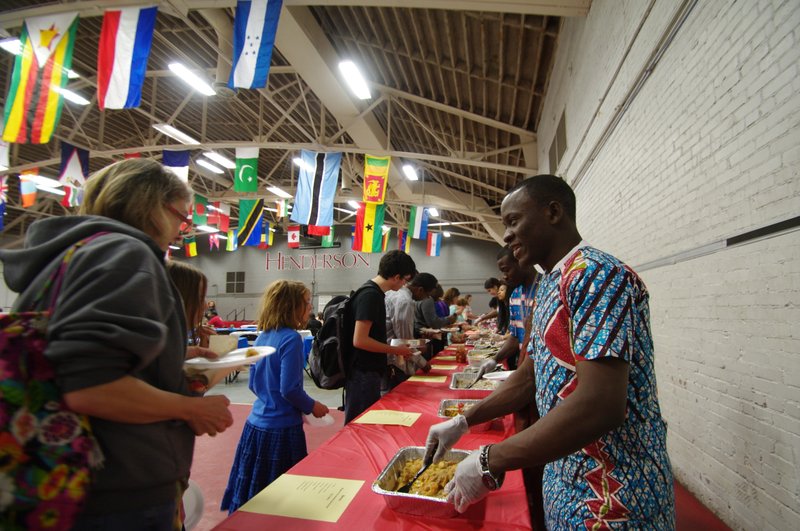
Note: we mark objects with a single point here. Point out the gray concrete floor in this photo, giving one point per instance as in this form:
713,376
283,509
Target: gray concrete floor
238,392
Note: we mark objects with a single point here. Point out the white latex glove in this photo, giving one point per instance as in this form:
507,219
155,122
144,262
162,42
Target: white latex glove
488,365
467,486
445,434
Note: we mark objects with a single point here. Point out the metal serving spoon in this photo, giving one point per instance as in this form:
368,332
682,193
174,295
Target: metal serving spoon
426,462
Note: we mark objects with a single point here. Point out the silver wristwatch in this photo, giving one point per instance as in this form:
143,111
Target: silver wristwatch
491,481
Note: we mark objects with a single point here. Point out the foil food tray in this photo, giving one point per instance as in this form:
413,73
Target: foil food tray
448,402
386,483
464,379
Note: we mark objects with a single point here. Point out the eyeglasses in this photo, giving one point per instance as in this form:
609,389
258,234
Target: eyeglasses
183,218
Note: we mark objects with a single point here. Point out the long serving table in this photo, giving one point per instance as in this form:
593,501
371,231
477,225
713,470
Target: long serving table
361,451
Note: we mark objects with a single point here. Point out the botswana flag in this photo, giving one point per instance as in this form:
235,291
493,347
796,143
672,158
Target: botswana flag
316,188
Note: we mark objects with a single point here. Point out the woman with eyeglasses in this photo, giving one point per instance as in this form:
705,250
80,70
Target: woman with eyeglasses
117,339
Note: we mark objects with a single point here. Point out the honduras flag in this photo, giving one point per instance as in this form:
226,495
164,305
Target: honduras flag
254,28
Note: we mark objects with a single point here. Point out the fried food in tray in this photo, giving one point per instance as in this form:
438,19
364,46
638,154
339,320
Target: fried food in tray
456,409
432,482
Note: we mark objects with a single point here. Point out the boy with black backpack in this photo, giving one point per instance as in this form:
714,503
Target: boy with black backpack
363,381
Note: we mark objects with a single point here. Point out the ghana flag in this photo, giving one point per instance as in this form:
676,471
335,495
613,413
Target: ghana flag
33,106
369,225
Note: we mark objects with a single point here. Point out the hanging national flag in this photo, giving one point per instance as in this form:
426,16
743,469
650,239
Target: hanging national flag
4,164
3,199
434,243
282,206
418,222
219,214
293,236
33,105
369,225
200,212
266,237
403,241
213,242
327,240
316,188
232,243
376,175
254,27
74,170
132,156
27,187
353,237
246,179
250,214
385,243
190,247
177,162
125,39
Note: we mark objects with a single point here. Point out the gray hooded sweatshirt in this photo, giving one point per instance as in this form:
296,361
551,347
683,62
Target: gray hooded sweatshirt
117,314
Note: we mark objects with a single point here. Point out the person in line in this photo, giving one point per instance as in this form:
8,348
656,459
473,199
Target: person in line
491,286
524,283
425,317
363,383
314,323
450,298
117,339
273,440
442,308
590,371
469,316
191,284
400,325
503,314
211,310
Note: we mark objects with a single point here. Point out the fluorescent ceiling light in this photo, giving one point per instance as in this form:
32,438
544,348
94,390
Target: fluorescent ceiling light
439,224
70,96
353,203
433,212
180,136
446,234
350,212
193,80
72,74
212,207
174,247
280,193
51,190
225,162
207,165
222,236
13,46
385,229
41,180
410,172
302,164
272,229
355,81
271,209
206,228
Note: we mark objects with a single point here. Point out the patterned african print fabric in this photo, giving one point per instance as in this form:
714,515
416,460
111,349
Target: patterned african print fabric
591,307
518,307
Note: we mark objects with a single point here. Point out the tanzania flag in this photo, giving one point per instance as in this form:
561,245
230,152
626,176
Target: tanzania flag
376,175
327,240
418,222
33,105
403,241
369,225
250,211
232,243
200,213
190,246
434,243
246,170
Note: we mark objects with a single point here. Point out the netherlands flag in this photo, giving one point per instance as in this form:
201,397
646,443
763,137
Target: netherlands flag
122,56
434,243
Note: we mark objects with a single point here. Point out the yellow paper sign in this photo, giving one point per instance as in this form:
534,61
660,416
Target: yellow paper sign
428,379
306,497
388,416
445,358
444,367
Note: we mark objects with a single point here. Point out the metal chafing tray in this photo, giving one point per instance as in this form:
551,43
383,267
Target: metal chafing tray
449,402
386,483
464,379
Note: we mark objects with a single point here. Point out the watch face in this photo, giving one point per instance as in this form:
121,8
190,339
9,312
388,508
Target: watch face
488,482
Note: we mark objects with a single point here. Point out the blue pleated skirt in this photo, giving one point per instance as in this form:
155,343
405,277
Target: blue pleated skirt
262,456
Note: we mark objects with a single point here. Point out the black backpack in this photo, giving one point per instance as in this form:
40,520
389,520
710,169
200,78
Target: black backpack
331,356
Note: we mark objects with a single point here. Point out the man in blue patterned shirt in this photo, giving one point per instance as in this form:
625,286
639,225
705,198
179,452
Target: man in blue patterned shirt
591,354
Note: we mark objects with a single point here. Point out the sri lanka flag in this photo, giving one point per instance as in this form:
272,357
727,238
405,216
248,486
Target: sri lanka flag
125,40
254,27
434,243
33,105
369,228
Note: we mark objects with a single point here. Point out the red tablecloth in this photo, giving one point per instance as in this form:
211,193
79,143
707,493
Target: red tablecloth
361,451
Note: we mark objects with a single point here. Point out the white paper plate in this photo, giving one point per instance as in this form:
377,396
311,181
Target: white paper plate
498,375
408,342
325,420
234,358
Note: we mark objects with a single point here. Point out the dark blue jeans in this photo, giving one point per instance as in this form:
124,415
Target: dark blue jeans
157,518
361,390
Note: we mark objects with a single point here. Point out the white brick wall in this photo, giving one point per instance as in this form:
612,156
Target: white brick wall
709,148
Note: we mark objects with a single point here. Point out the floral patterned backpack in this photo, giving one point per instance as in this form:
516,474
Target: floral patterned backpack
47,452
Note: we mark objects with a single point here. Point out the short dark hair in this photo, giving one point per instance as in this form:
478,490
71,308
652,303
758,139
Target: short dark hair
491,282
425,281
545,188
396,262
504,252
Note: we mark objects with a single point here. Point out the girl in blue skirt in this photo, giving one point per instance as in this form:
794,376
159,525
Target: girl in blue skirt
273,440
